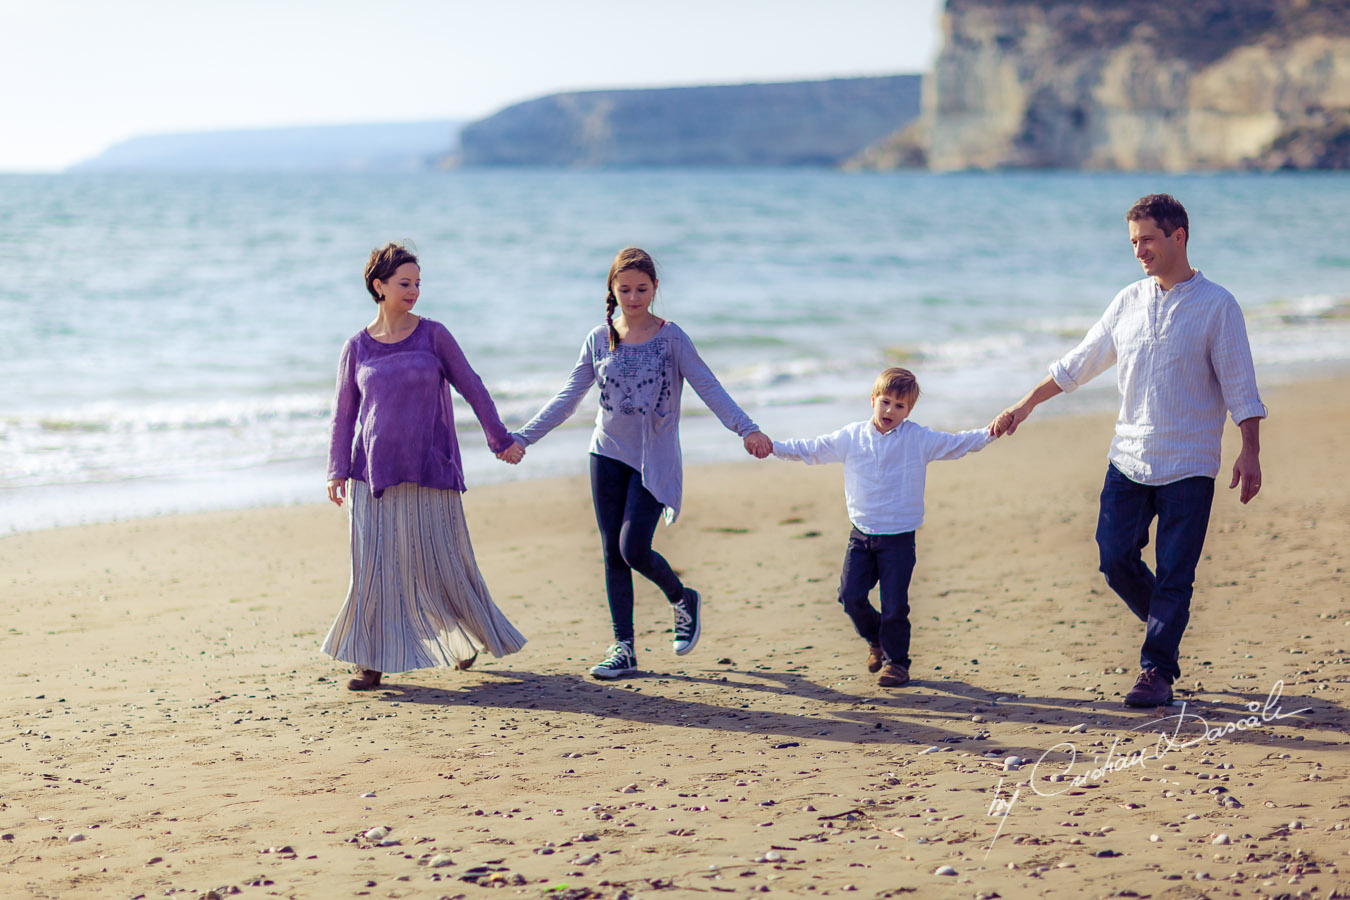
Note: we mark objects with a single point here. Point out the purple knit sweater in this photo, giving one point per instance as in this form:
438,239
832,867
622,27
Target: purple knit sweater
392,415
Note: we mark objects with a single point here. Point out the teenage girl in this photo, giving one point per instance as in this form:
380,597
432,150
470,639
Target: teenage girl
640,363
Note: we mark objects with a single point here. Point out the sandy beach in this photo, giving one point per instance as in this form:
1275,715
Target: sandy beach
171,729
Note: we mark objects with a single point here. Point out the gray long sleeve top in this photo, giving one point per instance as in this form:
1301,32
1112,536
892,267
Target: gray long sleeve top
638,422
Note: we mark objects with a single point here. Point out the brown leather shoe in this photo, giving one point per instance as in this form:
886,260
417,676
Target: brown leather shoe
466,663
1152,689
875,658
367,679
893,675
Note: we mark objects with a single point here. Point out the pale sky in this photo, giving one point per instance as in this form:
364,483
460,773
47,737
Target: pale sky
80,75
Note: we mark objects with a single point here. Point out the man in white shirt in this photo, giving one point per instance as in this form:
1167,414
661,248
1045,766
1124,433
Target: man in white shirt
1182,359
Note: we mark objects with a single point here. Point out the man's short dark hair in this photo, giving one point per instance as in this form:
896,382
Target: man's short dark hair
1164,210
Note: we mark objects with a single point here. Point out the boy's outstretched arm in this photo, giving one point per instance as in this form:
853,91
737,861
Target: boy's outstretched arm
1008,420
828,448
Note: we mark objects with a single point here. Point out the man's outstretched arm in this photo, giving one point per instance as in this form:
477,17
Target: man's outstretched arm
1007,421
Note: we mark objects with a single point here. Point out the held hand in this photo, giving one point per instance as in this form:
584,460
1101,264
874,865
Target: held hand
1247,471
759,445
513,454
1008,420
337,490
1001,424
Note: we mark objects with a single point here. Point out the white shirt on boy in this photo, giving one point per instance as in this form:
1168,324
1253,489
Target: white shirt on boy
884,473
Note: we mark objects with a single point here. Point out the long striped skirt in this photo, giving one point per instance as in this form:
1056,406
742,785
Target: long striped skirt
416,598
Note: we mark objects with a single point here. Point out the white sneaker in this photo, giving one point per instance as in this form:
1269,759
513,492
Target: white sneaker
620,662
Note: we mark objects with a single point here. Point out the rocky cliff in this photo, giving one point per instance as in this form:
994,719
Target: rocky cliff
815,123
1150,84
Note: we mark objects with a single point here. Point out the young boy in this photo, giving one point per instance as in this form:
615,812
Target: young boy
885,461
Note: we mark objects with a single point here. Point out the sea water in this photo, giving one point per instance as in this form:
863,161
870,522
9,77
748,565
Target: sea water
171,340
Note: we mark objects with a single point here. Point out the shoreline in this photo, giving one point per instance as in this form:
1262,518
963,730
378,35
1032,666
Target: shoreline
288,484
172,726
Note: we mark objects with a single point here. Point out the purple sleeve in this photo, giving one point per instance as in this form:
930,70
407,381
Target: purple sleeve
464,379
346,399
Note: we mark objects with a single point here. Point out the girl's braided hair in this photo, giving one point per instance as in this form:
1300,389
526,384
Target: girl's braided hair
628,258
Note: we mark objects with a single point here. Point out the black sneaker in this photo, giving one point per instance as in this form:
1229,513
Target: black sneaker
688,622
620,662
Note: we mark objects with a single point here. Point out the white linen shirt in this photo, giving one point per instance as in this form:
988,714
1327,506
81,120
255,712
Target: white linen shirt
884,474
1181,358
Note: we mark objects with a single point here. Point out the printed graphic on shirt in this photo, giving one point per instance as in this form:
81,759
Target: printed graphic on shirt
634,379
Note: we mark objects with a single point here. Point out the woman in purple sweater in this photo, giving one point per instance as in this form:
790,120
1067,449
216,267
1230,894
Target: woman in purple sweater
416,598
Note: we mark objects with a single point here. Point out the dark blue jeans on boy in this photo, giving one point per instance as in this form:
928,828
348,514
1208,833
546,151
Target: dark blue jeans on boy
886,560
1162,600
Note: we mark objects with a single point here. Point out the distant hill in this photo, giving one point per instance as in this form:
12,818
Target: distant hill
400,146
805,123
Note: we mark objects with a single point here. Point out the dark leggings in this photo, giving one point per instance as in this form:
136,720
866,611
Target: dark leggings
627,514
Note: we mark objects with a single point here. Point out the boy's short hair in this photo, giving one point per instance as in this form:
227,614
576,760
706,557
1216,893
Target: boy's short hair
897,382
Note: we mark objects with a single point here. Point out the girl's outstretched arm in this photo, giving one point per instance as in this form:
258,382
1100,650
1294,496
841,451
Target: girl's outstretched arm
566,401
694,370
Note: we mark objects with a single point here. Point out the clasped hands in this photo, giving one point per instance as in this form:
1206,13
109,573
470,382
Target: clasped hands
513,454
759,445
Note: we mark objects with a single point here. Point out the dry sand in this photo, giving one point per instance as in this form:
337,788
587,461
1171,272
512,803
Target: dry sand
170,727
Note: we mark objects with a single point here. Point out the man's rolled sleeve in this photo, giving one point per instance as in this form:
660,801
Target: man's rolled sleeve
1094,355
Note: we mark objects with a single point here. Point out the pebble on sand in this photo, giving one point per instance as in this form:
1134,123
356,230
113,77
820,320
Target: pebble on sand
944,870
1221,839
1012,763
1078,729
378,833
75,838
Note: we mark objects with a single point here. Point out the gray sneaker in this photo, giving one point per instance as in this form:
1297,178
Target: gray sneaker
620,662
688,622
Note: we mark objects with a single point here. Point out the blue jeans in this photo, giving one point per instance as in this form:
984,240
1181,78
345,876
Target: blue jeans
627,513
1162,601
888,560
